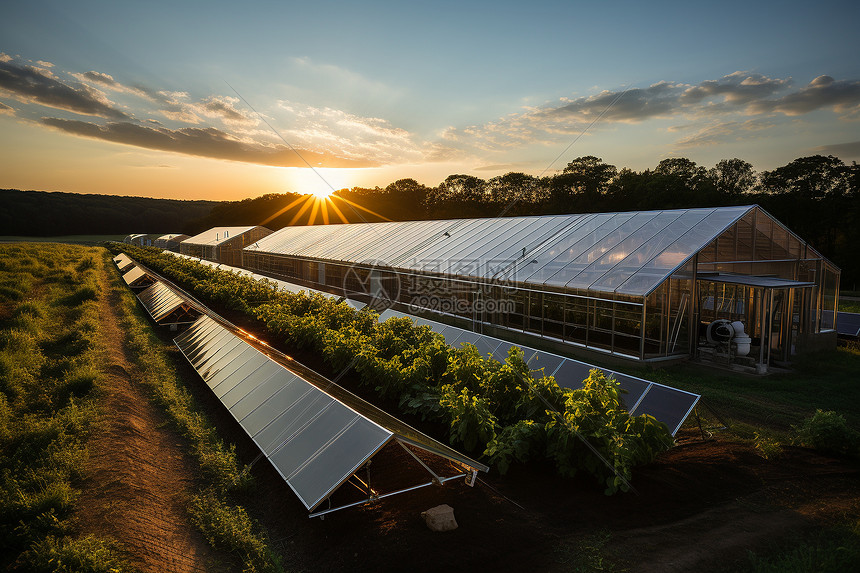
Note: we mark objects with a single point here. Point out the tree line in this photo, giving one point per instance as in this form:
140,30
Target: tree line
817,197
43,214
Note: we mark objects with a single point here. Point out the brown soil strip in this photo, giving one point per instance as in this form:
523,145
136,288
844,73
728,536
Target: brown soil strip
138,477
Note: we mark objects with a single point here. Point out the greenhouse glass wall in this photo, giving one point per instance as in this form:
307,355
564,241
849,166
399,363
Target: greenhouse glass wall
222,244
638,285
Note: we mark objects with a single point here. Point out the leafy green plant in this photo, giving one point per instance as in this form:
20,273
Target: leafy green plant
829,433
767,447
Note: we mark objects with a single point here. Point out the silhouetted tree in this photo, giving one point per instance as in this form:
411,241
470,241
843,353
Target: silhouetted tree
811,177
733,177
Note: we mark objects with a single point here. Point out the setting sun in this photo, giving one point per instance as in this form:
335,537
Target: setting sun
322,193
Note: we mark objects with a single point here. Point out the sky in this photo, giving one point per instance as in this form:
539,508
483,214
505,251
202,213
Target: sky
225,101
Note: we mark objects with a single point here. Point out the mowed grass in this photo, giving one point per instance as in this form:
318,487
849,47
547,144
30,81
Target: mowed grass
827,380
49,387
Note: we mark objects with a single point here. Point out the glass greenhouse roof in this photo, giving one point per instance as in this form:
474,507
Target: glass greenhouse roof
626,253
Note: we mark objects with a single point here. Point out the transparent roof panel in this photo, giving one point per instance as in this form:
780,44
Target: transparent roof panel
659,267
596,260
569,261
626,253
650,249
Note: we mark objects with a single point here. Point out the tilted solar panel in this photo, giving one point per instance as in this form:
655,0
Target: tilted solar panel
848,324
314,441
134,275
160,301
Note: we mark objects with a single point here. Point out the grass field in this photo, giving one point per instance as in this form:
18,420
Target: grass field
52,395
49,388
826,380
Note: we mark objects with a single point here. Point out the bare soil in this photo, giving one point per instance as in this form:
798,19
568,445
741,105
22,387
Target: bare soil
138,476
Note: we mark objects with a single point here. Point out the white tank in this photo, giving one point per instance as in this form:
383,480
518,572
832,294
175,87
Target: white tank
740,339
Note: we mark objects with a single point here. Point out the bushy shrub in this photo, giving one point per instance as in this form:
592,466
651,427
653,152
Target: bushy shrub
829,433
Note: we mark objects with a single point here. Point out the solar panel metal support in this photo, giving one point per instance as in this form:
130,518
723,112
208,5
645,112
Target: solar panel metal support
436,479
325,512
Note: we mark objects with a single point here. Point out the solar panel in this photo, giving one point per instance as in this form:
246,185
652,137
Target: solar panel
669,405
122,261
848,324
291,420
161,301
314,439
133,276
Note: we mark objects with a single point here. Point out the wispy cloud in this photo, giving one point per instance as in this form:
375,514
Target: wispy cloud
6,110
37,85
353,135
202,142
720,132
344,79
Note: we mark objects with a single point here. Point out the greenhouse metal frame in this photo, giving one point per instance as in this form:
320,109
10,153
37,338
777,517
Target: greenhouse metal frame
222,244
637,285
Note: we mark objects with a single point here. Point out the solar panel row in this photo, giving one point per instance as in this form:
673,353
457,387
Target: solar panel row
314,441
160,301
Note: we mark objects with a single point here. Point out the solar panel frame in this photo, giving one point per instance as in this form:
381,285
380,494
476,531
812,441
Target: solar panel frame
288,436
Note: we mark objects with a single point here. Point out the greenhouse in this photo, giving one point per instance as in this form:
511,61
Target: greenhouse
170,242
727,283
222,244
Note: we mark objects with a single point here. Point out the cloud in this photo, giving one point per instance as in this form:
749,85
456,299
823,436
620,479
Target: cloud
6,110
738,88
338,131
202,142
342,78
727,105
30,84
822,92
845,151
507,167
721,132
623,106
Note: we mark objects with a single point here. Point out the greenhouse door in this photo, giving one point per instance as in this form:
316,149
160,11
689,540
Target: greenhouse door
786,312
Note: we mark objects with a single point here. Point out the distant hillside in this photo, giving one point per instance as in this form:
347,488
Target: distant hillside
44,214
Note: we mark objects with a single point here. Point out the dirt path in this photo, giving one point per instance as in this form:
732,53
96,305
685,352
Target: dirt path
138,476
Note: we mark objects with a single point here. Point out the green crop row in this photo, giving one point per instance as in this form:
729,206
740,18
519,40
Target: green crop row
501,411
